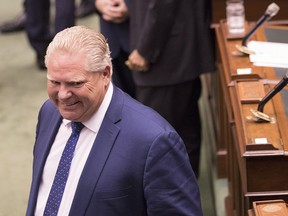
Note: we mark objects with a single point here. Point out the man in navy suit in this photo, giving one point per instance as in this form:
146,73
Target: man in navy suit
128,159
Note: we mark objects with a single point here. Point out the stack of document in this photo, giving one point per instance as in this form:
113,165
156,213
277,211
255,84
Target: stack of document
269,54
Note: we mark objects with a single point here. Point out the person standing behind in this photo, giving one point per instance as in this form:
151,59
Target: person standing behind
171,48
84,9
128,160
38,26
114,24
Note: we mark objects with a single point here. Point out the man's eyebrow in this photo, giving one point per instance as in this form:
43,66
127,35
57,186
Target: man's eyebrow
76,81
69,81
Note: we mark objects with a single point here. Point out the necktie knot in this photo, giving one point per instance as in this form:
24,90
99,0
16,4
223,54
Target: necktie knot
76,127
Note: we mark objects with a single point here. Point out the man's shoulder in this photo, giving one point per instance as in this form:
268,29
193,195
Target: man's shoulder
48,106
48,110
143,117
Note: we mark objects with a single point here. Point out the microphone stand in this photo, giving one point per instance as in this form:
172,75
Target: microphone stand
271,11
273,92
263,19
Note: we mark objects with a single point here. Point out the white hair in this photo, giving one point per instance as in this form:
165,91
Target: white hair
82,39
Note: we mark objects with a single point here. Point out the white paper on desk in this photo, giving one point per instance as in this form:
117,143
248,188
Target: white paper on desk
269,54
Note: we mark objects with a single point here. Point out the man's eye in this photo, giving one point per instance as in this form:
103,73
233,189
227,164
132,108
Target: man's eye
76,84
54,82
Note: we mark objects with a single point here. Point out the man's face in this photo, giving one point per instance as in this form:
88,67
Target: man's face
75,92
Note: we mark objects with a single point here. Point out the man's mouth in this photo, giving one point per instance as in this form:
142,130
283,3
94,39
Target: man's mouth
69,104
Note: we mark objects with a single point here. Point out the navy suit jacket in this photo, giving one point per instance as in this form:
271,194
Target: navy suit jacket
117,35
137,166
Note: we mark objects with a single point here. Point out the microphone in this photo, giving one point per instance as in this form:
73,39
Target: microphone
271,11
273,92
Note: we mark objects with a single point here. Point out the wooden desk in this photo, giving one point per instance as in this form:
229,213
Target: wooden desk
269,208
255,171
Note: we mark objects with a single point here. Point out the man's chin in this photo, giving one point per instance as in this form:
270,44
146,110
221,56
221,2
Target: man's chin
69,115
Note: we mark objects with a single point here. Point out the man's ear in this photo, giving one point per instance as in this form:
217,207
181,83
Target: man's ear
107,73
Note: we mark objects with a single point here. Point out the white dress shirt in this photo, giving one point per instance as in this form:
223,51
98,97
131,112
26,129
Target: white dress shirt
82,150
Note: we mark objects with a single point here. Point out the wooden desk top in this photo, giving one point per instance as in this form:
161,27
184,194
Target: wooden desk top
262,148
269,208
246,91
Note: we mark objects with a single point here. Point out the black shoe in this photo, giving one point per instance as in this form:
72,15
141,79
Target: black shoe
85,9
17,24
40,60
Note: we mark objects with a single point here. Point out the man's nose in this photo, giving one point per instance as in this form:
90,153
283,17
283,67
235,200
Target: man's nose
64,92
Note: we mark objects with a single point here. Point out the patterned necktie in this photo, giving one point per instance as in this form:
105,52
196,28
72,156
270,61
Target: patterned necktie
62,172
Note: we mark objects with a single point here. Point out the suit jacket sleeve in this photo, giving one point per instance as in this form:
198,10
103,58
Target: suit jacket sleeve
158,24
170,186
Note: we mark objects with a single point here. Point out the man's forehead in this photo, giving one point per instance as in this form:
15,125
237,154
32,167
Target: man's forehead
73,78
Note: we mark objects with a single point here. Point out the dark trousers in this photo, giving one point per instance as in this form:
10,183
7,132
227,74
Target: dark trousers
178,104
38,24
122,76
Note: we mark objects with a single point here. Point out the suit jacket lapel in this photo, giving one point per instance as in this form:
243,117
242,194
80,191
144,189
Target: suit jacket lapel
41,151
46,143
100,151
